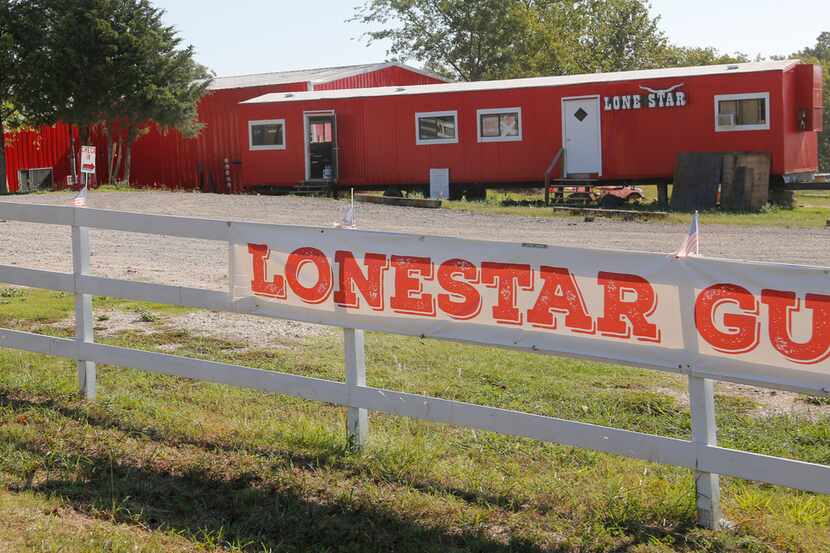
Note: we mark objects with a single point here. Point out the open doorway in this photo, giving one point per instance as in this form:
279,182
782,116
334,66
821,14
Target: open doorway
321,146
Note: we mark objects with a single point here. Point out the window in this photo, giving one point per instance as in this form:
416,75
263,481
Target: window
742,112
437,127
500,125
267,135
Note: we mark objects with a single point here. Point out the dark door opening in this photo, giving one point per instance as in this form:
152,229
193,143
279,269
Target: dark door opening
321,147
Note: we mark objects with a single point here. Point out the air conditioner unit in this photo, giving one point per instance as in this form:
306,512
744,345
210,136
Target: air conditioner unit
726,120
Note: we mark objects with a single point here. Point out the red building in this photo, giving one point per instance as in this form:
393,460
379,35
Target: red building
612,126
172,161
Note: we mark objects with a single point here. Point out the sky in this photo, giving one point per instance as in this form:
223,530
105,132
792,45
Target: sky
256,36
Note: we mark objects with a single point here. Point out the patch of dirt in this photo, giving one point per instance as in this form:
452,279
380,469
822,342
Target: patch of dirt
255,332
109,323
769,402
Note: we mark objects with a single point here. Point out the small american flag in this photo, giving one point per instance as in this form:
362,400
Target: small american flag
80,199
348,219
691,245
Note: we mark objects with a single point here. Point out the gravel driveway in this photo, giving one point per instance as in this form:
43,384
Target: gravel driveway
202,263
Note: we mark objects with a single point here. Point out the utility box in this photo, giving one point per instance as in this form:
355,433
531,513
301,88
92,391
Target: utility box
439,184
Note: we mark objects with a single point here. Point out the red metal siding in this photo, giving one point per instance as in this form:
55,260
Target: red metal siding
376,136
388,76
47,147
800,148
168,160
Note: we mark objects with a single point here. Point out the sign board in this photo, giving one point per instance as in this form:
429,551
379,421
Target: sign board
756,322
88,159
655,98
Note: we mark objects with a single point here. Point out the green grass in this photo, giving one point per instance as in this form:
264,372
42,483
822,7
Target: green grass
812,210
165,464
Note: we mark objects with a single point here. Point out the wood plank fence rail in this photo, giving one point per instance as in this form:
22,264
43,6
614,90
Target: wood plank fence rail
700,454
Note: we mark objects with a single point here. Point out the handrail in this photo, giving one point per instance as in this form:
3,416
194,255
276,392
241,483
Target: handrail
549,171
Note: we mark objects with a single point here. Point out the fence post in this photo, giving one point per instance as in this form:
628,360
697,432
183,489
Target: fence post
357,418
83,309
705,432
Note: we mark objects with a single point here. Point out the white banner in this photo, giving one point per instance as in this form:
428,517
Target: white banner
747,322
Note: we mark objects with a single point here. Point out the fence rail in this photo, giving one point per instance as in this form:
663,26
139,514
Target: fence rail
700,454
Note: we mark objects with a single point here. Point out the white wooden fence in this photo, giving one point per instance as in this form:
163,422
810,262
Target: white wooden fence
701,453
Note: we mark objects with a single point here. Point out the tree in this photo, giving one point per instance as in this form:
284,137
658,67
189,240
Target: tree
820,54
109,64
679,56
6,69
489,39
465,39
158,82
617,35
20,21
472,40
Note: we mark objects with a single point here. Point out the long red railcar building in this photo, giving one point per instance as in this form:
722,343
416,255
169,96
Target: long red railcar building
389,125
167,159
626,126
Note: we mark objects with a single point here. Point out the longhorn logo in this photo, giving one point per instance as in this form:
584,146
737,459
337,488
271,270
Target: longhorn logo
664,91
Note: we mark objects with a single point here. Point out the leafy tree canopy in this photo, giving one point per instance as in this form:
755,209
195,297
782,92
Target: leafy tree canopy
488,39
97,63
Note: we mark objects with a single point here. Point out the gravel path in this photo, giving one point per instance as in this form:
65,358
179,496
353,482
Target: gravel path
202,263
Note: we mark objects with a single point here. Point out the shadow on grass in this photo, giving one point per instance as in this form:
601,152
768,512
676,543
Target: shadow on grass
332,455
248,511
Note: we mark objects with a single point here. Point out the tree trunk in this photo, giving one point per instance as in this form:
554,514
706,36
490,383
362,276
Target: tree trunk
105,128
4,187
132,136
73,160
83,135
119,156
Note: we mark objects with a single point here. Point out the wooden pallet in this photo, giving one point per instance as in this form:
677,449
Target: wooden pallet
402,202
624,214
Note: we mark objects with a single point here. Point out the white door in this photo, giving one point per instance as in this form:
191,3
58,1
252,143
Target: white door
581,130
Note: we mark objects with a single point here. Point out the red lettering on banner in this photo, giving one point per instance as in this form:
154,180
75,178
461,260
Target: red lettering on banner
742,331
560,294
636,311
259,258
505,277
470,304
320,290
403,301
369,285
782,306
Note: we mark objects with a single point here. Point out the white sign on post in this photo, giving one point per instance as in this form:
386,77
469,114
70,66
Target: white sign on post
88,159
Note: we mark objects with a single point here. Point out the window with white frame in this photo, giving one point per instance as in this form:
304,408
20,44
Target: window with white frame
436,127
499,125
266,135
742,112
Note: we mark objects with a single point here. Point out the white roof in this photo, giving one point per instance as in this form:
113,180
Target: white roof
314,76
643,75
